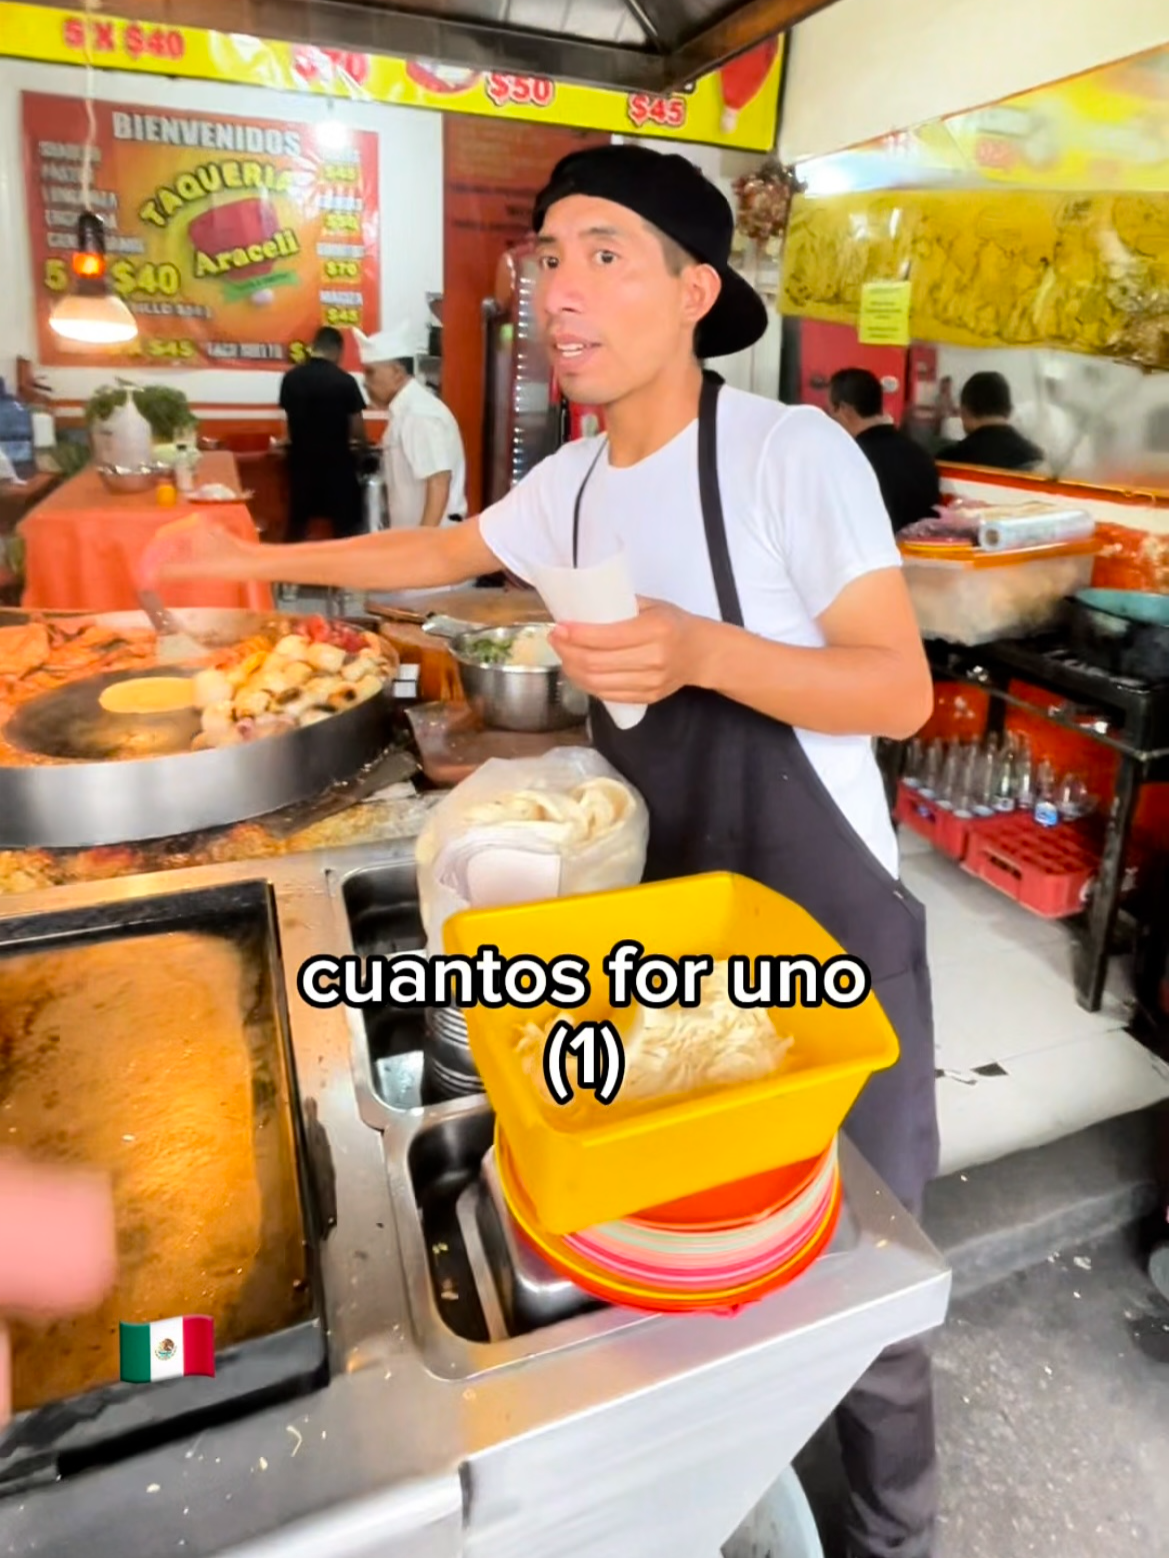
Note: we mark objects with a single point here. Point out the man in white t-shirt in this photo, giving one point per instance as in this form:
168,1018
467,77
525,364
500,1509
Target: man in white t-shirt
775,639
422,451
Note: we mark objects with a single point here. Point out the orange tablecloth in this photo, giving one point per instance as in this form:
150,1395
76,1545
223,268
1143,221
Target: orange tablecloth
82,545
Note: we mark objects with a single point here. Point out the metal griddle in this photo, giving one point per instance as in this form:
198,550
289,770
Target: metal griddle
118,778
70,723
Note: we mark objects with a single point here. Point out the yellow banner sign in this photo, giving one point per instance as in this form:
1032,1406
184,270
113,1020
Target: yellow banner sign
1106,130
736,106
1008,268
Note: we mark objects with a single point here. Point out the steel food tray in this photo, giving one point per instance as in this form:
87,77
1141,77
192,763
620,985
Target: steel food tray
271,1336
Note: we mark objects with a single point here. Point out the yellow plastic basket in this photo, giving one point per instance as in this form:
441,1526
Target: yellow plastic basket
589,1164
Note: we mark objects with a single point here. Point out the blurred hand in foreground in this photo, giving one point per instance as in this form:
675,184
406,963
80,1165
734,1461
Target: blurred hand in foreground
193,548
58,1254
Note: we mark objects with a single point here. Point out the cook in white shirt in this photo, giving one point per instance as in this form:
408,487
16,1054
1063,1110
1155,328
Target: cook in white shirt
423,460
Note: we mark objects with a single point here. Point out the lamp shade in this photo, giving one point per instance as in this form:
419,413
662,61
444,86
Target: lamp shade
93,320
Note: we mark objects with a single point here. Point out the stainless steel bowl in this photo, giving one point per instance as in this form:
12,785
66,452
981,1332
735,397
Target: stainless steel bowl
130,478
517,697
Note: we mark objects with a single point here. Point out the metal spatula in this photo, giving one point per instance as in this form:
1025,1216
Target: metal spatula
174,642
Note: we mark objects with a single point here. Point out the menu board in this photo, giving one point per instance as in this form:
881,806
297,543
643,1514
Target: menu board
231,239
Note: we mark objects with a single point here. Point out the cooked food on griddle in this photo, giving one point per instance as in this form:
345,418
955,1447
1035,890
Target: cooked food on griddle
263,687
35,657
296,672
40,657
148,695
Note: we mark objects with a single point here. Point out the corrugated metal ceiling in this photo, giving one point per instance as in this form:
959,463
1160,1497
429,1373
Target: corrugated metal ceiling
647,45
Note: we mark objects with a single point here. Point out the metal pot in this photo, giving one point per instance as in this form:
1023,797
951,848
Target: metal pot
517,697
1122,631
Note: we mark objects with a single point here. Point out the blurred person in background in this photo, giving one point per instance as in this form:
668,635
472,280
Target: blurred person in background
324,409
906,474
424,464
1068,413
991,441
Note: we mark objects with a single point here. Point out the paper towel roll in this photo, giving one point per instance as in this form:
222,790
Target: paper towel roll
603,593
1008,535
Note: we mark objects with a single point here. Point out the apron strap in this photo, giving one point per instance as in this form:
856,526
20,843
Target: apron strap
713,522
579,499
729,605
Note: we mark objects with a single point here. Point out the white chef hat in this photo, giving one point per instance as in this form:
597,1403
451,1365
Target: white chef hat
386,346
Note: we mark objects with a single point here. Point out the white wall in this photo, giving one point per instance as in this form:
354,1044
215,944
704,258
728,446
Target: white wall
409,193
756,371
863,68
1105,417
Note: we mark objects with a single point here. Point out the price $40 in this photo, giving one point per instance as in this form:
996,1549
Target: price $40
600,1061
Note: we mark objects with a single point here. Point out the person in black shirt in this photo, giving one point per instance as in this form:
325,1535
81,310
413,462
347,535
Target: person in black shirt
907,476
323,406
985,409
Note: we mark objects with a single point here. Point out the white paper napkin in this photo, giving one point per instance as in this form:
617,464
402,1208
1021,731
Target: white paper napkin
498,877
603,593
489,868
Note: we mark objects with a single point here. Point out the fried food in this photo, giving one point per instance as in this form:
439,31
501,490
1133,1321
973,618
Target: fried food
289,679
23,649
39,657
265,685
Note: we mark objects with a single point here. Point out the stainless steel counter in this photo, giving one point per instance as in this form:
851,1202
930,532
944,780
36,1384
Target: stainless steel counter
603,1434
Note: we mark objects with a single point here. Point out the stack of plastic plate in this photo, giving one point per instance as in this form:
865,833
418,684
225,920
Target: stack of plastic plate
717,1251
588,1165
448,1068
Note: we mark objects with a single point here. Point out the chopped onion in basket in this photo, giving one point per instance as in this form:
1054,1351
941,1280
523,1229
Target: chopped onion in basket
677,1049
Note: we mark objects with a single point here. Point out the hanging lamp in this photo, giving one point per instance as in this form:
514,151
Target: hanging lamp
89,314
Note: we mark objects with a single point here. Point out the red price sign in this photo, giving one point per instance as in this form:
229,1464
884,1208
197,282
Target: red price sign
667,112
522,91
129,38
153,40
327,65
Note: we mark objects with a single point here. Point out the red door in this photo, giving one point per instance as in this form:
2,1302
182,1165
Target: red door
826,348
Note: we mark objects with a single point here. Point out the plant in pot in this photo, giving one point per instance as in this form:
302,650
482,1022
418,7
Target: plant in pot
126,423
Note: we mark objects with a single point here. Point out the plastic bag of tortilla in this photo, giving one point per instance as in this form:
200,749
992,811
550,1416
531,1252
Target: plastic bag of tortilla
522,830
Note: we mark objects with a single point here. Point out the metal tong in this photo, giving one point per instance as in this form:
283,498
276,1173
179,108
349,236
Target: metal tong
174,642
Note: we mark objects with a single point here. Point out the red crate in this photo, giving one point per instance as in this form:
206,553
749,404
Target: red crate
949,834
1047,870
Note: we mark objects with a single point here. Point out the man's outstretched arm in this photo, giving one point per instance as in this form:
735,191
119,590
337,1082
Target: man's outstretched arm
388,560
